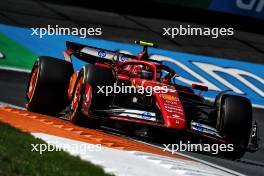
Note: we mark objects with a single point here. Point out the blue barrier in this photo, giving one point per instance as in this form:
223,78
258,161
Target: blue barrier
243,78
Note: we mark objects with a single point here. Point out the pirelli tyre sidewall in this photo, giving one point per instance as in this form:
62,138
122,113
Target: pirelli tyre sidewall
97,76
50,86
93,76
236,122
75,115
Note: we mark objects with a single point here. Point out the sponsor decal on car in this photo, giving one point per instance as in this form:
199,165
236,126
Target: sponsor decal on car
101,53
146,115
175,116
98,53
168,97
204,128
122,58
169,102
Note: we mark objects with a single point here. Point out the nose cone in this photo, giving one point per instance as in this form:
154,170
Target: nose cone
172,110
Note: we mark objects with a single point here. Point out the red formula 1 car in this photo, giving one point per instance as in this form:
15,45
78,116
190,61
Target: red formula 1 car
140,92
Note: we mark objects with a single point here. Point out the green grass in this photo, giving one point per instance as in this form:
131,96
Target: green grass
16,158
16,55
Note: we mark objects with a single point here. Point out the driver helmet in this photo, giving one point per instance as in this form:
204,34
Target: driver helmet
142,71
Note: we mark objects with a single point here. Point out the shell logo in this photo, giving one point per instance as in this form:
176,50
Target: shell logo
168,97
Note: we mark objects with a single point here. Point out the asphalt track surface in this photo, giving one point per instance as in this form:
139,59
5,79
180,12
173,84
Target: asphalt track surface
243,46
13,86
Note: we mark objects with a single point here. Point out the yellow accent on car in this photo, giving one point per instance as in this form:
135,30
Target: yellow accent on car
144,43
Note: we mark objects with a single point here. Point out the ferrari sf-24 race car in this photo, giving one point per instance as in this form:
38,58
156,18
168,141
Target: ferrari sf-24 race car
54,88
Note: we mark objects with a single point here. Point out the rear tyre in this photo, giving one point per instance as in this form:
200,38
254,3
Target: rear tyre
48,85
236,122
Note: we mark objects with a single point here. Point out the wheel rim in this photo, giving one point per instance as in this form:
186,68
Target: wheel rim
77,95
32,83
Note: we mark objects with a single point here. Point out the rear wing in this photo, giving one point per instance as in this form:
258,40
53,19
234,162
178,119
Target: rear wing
92,54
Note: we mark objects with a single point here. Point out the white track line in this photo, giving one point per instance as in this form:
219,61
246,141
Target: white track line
195,159
3,104
15,69
134,163
258,106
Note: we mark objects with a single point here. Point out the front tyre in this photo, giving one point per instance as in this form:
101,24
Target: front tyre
236,122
